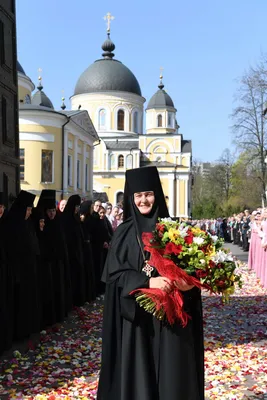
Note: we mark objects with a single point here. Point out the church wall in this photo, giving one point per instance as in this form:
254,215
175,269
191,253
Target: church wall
111,186
23,92
34,139
94,102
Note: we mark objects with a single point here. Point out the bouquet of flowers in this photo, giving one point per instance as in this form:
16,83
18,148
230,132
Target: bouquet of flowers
182,252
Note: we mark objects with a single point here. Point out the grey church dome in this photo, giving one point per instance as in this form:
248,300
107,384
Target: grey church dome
107,75
160,99
40,98
20,69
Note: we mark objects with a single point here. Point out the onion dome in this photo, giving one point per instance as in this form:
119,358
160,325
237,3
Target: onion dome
107,74
160,99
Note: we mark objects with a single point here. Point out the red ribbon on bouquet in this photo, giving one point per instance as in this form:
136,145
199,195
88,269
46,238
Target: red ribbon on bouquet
172,302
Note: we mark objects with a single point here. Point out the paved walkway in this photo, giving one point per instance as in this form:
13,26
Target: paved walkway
64,362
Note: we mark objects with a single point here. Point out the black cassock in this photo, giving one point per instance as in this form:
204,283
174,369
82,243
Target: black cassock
74,240
143,359
22,250
56,256
5,300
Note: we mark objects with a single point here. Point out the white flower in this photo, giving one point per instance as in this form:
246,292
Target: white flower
169,219
221,256
198,240
203,262
214,238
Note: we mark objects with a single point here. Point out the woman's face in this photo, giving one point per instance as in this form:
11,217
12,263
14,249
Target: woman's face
109,209
41,224
62,205
144,201
2,209
51,213
115,211
28,212
102,213
77,209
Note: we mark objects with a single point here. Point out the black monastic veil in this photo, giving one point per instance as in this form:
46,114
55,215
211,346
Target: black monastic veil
143,359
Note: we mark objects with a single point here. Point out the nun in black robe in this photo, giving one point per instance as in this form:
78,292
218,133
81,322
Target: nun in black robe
45,275
143,358
21,251
55,252
5,281
74,239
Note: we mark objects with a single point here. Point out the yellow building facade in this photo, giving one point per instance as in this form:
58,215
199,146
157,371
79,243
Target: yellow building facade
130,137
56,147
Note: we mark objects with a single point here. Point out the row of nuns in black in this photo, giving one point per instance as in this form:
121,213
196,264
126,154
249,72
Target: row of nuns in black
48,263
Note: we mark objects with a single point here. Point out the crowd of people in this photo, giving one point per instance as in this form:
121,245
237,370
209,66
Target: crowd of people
51,259
248,230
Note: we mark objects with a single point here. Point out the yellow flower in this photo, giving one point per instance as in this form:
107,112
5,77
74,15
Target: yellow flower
173,234
196,230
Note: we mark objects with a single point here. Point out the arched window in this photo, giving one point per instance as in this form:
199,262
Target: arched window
170,119
159,121
129,161
112,161
27,99
120,161
120,120
135,122
102,119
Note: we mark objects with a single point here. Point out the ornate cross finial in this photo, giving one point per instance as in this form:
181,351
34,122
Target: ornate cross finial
40,75
108,18
161,72
40,86
63,106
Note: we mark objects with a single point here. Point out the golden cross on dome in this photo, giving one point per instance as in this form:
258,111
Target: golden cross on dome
108,18
40,74
161,71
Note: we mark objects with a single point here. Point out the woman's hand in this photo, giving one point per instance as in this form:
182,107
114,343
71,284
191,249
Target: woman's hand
160,283
183,286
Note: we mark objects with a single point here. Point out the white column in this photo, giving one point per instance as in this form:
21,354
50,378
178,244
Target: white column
65,163
90,169
171,194
106,161
186,197
177,196
75,158
84,168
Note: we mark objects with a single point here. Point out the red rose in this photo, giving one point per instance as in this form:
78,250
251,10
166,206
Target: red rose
201,274
212,264
188,239
172,248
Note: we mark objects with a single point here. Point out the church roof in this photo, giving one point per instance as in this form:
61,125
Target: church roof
40,98
122,145
186,146
160,99
20,69
160,164
107,74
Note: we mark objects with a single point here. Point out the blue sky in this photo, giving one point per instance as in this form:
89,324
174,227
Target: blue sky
204,46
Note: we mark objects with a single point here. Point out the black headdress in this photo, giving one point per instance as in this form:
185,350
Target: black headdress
17,212
140,180
47,199
72,202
